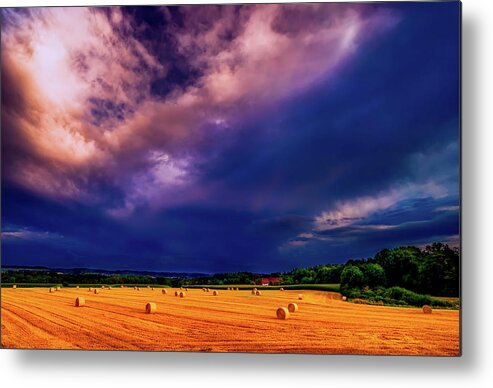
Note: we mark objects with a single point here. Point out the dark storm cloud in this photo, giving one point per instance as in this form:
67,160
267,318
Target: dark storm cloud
360,135
223,138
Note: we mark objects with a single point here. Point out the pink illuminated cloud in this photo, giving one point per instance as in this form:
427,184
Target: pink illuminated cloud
64,59
351,212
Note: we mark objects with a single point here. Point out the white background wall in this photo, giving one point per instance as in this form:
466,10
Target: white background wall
124,369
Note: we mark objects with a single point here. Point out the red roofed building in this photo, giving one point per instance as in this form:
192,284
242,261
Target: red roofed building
270,281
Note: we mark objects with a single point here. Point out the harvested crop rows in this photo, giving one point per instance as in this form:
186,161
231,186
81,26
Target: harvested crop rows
232,321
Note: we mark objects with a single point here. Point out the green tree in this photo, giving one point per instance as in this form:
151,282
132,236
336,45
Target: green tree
401,266
352,277
374,275
439,272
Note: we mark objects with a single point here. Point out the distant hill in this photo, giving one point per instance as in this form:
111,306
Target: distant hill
79,271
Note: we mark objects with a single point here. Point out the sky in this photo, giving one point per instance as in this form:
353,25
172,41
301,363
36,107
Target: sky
228,138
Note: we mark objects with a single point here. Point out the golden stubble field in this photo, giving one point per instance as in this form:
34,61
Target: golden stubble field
233,321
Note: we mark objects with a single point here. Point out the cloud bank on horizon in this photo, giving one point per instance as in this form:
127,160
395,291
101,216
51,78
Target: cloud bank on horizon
223,138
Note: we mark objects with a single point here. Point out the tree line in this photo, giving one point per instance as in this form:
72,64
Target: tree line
433,270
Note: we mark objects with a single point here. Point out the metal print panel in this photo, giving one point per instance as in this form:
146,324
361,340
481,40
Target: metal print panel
278,178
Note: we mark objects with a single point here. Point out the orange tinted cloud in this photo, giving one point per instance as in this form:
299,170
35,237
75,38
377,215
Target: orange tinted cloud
66,60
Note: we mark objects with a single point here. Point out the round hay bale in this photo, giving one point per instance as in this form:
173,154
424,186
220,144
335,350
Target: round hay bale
344,298
300,296
79,302
148,286
215,293
152,288
427,309
292,307
96,291
182,294
52,289
176,293
281,289
164,291
58,288
186,289
90,289
14,286
282,313
151,308
253,292
203,289
208,290
77,287
138,288
258,293
121,286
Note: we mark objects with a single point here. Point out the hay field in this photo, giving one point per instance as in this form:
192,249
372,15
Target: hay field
233,321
